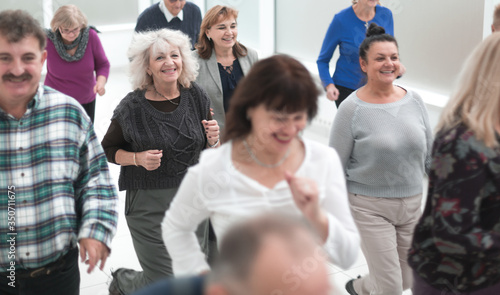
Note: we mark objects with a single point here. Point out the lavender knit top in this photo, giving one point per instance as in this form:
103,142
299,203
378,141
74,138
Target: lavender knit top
77,79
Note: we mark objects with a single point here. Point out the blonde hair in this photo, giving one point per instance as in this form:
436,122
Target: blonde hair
476,98
68,16
145,43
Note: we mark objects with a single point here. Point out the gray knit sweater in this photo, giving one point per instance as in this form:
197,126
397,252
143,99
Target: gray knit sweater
179,134
385,149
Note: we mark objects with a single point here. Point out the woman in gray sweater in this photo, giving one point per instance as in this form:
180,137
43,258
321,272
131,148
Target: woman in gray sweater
382,135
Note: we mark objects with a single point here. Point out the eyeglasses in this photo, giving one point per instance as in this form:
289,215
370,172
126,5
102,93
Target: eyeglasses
67,31
173,1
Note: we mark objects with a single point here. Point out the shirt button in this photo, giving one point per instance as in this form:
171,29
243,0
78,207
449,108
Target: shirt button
21,148
24,201
27,253
22,174
20,123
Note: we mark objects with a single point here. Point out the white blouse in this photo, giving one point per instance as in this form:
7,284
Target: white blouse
214,188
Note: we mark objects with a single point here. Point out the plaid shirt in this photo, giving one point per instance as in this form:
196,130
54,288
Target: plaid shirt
55,186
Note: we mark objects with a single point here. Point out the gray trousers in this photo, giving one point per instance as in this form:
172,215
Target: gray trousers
144,211
386,229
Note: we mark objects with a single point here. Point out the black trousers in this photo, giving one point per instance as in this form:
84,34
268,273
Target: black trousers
90,109
344,92
64,280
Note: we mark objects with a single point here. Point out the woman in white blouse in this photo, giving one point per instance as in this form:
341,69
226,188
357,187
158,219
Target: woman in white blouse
264,166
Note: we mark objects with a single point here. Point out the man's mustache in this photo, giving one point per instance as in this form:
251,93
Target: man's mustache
24,76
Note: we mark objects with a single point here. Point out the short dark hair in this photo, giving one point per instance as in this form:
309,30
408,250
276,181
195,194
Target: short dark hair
16,25
280,83
374,33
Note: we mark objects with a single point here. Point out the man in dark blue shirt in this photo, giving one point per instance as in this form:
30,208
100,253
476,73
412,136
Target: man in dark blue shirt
172,14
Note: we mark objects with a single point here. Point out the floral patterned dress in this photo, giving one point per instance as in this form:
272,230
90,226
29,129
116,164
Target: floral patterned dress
456,244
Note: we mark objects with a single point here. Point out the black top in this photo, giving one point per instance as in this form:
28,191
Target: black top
179,134
229,76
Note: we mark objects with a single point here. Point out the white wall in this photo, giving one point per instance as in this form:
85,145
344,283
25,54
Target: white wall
301,27
34,7
435,37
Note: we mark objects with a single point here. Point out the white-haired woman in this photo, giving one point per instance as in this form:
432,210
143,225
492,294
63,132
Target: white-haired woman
157,131
456,243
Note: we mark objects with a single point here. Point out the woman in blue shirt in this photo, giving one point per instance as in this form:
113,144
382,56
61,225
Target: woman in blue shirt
347,31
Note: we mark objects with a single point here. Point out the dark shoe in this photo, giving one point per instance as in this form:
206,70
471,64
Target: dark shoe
350,288
123,281
113,286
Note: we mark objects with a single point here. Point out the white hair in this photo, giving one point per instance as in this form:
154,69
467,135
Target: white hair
145,43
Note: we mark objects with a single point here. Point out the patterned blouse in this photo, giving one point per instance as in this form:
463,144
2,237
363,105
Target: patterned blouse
456,244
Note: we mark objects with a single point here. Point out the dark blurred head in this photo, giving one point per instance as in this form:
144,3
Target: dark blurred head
16,25
279,83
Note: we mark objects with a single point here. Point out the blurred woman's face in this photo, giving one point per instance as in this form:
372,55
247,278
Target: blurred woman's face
275,130
382,62
165,66
224,33
70,34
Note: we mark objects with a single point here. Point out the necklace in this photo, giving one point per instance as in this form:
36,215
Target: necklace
254,158
174,103
366,25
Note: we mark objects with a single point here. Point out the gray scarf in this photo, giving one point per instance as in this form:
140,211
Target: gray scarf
81,42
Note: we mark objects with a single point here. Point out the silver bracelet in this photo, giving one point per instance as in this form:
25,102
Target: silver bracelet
215,144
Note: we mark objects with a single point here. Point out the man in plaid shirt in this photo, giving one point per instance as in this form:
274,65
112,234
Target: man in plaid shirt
55,187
